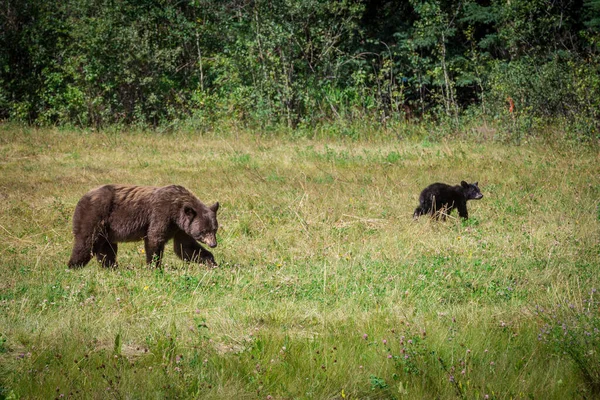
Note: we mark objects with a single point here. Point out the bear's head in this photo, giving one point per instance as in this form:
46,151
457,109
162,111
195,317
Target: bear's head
471,190
200,222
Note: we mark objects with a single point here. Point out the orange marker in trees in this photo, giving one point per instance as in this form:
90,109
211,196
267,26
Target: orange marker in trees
511,105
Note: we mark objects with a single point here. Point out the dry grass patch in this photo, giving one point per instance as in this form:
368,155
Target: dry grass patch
317,248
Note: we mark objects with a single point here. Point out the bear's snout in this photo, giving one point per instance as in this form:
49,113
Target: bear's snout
210,240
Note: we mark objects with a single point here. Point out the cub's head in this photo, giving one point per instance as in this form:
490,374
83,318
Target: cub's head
471,190
200,222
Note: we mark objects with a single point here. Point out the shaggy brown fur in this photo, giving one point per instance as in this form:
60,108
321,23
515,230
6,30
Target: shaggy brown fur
117,213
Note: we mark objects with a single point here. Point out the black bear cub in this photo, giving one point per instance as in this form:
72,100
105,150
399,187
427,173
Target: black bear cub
440,199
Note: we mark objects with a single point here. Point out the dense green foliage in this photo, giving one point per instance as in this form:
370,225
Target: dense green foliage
300,62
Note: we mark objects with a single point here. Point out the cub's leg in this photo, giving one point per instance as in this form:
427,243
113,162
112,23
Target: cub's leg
418,212
188,249
462,210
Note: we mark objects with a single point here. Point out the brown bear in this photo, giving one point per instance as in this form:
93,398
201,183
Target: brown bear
118,213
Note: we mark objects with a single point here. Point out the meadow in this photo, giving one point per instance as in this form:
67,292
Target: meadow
326,287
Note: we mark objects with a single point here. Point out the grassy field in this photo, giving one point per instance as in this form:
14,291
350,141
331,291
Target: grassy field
326,288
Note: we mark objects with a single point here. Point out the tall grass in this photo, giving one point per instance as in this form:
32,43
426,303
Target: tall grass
326,287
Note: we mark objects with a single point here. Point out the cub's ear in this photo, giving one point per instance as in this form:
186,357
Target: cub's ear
464,184
189,211
476,184
214,207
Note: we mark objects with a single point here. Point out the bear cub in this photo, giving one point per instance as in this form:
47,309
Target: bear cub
440,199
111,214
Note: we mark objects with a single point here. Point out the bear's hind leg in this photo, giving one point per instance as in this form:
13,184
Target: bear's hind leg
106,252
81,254
418,212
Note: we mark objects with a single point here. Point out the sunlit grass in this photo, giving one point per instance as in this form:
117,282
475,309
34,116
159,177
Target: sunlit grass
324,276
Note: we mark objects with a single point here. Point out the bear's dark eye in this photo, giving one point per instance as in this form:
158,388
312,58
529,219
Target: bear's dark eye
189,211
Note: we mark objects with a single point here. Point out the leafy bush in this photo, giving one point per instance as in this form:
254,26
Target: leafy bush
298,64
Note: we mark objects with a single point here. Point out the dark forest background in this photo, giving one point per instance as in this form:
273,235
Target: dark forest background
96,63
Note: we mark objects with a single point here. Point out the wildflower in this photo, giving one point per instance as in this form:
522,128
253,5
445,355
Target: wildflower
365,336
464,371
384,341
389,356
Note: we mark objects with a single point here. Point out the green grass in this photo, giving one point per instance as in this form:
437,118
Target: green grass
326,287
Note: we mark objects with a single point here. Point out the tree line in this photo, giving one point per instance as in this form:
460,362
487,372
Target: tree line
94,63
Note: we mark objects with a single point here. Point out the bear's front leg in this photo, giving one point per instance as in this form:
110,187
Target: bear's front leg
154,251
462,210
188,249
106,252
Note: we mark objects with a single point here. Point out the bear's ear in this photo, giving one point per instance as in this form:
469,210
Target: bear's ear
464,184
476,184
214,207
189,211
